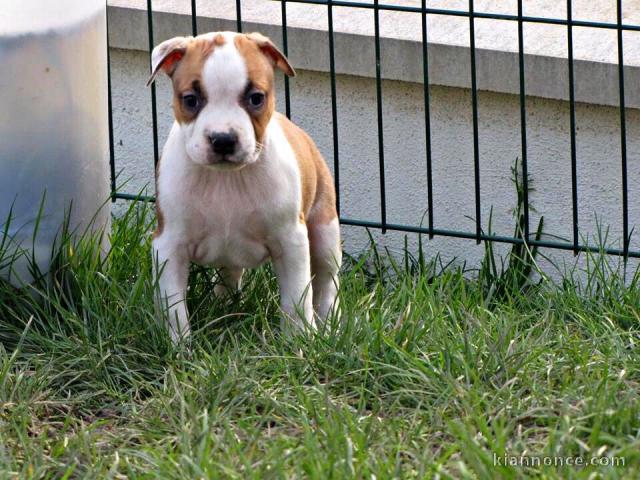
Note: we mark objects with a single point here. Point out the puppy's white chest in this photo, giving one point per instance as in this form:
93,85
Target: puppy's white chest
235,239
231,219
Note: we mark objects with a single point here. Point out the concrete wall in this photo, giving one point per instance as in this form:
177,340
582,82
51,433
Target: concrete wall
598,153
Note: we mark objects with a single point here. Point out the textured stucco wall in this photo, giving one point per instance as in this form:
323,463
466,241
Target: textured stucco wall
545,46
598,153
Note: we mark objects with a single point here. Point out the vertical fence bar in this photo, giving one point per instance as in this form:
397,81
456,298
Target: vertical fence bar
285,46
112,158
383,196
623,135
427,116
154,113
334,106
523,122
572,120
239,16
474,106
194,19
521,20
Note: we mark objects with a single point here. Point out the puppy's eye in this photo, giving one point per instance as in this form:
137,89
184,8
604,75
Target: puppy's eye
191,101
256,99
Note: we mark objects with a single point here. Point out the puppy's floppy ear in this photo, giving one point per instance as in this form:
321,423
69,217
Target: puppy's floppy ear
167,55
272,52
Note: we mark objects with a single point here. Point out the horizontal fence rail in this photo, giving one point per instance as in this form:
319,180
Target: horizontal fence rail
431,229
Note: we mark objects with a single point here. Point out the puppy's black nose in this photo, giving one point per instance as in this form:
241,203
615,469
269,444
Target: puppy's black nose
224,143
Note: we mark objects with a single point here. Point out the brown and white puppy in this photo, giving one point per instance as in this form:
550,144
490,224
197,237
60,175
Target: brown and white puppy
238,183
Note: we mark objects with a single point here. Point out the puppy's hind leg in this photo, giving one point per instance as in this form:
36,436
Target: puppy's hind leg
326,258
229,281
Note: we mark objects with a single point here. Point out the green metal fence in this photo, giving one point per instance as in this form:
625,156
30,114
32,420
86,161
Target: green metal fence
432,229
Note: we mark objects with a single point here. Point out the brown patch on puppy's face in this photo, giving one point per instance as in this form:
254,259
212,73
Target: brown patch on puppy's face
219,40
189,96
258,99
261,57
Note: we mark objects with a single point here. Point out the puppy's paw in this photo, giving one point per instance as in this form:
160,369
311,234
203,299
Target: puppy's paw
295,324
180,335
222,291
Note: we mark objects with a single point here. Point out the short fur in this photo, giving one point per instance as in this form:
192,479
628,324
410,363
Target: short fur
272,197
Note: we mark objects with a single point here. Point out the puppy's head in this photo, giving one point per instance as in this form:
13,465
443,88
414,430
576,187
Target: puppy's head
224,97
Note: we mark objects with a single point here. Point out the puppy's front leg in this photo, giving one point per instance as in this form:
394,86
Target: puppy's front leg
293,270
173,264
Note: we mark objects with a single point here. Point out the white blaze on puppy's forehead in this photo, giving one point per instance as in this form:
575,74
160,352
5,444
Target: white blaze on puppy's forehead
225,74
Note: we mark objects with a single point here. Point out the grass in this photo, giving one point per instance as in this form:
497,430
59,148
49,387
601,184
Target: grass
429,373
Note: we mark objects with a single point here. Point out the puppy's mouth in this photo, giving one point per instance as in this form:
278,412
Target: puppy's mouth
227,165
227,162
235,161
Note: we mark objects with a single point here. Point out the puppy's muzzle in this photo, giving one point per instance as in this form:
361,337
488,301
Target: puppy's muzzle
225,151
224,143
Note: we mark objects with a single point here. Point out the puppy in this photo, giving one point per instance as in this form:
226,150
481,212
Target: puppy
238,183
